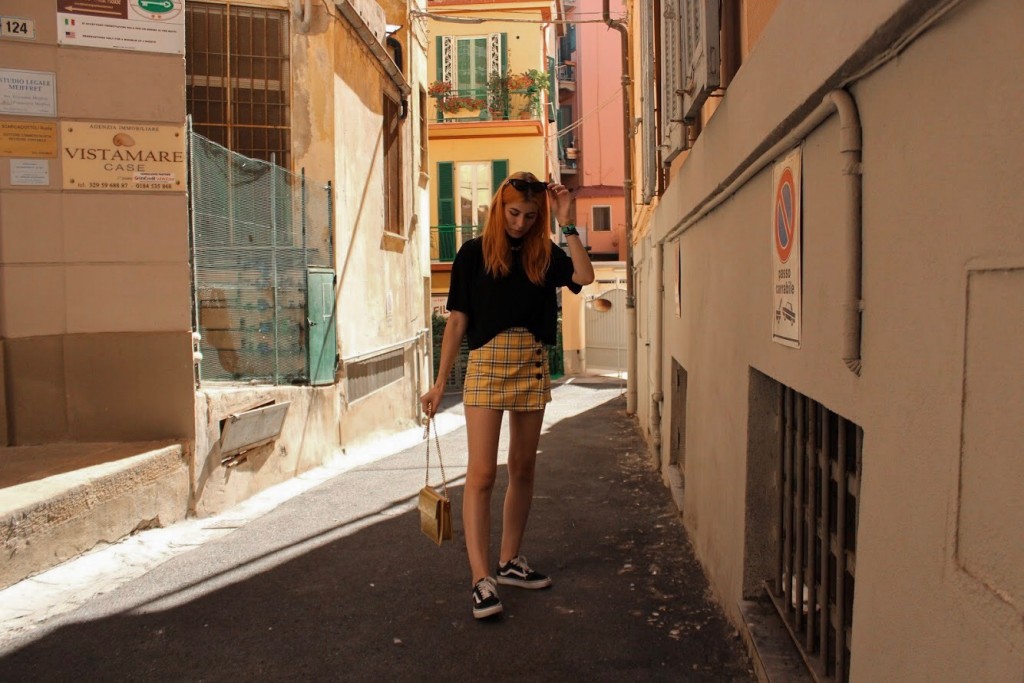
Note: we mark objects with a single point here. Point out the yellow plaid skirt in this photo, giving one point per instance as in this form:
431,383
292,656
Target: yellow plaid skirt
510,372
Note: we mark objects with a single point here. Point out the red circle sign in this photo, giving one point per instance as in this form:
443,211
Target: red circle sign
785,215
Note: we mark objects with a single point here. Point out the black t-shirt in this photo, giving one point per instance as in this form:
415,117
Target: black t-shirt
496,304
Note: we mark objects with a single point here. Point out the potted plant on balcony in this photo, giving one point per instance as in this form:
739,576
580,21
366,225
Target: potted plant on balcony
497,96
530,83
453,104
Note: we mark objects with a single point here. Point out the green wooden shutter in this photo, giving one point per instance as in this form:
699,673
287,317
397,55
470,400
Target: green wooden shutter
463,73
499,171
503,55
479,83
439,57
446,210
445,193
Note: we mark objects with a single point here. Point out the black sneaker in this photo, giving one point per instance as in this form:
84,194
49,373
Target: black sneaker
516,572
485,598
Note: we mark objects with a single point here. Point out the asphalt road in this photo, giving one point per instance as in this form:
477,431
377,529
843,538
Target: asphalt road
337,583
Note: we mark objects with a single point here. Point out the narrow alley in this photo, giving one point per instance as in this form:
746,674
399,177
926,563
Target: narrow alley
338,583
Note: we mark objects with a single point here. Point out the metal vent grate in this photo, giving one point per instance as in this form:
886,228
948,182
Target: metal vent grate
367,376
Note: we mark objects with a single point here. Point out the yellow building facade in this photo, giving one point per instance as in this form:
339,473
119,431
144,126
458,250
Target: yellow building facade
487,116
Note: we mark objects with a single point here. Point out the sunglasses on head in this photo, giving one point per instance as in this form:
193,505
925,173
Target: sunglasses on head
527,185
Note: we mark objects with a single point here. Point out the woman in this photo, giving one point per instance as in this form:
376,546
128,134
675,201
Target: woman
502,295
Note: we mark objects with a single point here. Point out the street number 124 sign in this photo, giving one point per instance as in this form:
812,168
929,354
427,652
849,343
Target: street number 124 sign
786,259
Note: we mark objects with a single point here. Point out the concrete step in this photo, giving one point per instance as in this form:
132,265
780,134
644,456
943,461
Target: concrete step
61,500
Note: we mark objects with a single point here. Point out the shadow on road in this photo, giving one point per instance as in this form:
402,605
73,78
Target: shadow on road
339,584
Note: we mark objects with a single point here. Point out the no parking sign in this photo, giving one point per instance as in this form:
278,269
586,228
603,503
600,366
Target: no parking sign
786,260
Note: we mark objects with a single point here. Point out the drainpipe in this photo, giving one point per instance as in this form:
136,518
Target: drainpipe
657,393
850,148
627,185
303,11
835,101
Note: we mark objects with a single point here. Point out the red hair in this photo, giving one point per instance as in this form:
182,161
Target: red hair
536,249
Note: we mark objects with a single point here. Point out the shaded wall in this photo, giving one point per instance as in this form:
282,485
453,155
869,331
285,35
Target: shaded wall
938,577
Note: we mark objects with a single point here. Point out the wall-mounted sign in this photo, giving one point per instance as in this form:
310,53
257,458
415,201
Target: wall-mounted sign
143,25
122,157
28,93
28,139
30,172
786,259
19,28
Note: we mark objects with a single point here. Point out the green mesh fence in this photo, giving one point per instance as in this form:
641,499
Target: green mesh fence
256,228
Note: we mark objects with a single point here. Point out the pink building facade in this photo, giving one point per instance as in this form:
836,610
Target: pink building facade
590,114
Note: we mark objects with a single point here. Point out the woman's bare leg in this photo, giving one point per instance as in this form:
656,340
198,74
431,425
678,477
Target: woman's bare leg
483,426
524,435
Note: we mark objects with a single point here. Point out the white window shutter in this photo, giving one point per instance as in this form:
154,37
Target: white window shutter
649,148
702,55
673,132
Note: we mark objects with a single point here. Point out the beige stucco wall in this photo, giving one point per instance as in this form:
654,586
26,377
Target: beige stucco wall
938,584
95,285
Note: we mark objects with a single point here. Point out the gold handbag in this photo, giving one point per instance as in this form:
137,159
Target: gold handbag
435,509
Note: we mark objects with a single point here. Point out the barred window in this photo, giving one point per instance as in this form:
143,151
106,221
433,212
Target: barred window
237,84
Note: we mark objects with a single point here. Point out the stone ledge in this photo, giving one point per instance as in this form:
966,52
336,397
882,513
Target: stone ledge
775,657
50,520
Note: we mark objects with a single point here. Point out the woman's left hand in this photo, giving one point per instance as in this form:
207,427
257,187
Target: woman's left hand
561,203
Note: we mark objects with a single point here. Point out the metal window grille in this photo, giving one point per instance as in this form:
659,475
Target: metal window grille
256,228
818,480
367,376
237,84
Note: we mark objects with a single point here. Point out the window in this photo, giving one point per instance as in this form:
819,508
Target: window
475,192
467,63
601,220
392,123
471,71
237,84
463,199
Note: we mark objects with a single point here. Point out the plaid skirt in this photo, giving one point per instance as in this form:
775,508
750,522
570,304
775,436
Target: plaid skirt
510,372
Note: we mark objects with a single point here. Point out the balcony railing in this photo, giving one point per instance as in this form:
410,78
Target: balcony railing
481,104
445,240
566,74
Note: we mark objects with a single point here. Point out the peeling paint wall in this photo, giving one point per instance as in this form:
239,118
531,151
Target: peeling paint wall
338,87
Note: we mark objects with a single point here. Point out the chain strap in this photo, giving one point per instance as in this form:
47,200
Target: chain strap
437,443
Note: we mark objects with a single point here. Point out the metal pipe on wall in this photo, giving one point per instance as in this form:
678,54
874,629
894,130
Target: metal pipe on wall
835,101
627,185
657,390
850,148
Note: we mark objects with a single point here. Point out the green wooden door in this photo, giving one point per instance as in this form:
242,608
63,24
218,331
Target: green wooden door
321,320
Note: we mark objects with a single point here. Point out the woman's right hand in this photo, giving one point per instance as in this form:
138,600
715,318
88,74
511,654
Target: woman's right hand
431,400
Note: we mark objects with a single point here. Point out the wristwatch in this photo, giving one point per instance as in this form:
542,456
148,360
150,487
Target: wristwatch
569,229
